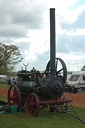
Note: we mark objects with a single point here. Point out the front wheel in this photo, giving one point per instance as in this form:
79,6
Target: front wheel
14,96
32,104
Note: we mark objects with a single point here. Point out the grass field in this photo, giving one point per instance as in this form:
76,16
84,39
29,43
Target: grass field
4,98
82,91
4,85
45,119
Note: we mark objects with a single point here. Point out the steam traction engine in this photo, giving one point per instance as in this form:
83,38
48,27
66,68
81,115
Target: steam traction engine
37,90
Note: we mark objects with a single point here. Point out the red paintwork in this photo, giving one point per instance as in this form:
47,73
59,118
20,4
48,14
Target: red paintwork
52,101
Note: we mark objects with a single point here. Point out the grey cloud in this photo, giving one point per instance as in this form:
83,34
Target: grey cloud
21,13
31,18
16,17
78,24
70,43
13,30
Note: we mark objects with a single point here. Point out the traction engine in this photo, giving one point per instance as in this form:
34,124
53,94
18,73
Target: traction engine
36,90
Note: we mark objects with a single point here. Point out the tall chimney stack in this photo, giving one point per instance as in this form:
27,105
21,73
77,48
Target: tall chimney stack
52,43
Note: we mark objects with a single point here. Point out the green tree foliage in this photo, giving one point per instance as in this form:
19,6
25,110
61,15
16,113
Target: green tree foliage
9,56
83,68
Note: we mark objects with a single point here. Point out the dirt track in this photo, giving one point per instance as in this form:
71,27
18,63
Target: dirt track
3,92
78,99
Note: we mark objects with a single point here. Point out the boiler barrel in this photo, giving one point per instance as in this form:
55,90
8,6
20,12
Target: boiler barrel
52,88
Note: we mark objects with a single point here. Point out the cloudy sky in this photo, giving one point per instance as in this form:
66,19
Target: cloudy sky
25,23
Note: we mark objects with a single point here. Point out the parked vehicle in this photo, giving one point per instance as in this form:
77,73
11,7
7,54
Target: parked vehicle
76,82
3,78
12,80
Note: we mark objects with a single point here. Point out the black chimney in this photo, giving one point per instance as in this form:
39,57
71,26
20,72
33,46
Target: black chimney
52,43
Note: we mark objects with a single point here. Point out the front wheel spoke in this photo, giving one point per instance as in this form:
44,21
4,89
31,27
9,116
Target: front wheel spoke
11,93
31,110
33,104
15,102
31,99
12,102
34,109
16,97
12,90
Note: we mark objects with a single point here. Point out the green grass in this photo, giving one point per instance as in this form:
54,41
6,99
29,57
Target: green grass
82,91
4,85
47,120
4,98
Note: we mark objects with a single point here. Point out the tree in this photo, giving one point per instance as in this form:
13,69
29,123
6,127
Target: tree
83,68
9,56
